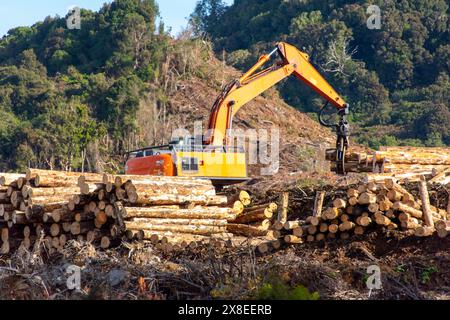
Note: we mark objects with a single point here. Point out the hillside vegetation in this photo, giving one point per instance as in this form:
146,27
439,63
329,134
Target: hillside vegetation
69,96
79,99
396,79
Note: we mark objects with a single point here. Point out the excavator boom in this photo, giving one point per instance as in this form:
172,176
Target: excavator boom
253,83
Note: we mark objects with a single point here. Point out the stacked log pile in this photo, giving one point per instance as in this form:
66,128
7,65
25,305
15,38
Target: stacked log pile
405,162
53,207
35,208
369,206
171,212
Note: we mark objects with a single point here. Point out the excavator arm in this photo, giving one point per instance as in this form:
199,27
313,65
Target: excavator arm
253,83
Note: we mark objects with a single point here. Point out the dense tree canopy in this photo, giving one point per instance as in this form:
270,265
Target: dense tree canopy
396,77
63,91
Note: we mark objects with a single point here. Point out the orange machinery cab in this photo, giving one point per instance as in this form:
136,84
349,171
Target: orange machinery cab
223,165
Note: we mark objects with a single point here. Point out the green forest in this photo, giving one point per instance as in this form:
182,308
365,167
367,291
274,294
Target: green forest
69,96
395,78
69,99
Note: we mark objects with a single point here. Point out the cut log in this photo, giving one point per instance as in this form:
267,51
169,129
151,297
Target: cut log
392,184
105,242
347,226
394,195
385,204
359,230
425,197
353,201
4,234
292,239
62,214
245,230
367,198
7,179
399,206
373,207
373,187
19,218
238,207
158,189
37,209
424,231
5,248
177,213
298,232
320,237
339,203
323,228
331,236
78,228
47,192
131,235
55,230
46,178
82,216
101,218
192,229
364,221
182,222
263,248
89,178
245,198
383,220
442,225
91,188
119,181
276,244
290,225
170,199
333,228
6,208
4,198
254,216
352,193
312,230
262,225
277,225
331,213
318,204
283,210
16,198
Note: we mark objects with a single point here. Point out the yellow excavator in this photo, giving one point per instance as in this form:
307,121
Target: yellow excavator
211,156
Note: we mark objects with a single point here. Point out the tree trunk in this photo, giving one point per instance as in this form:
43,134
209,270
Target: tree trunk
191,229
177,213
147,198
